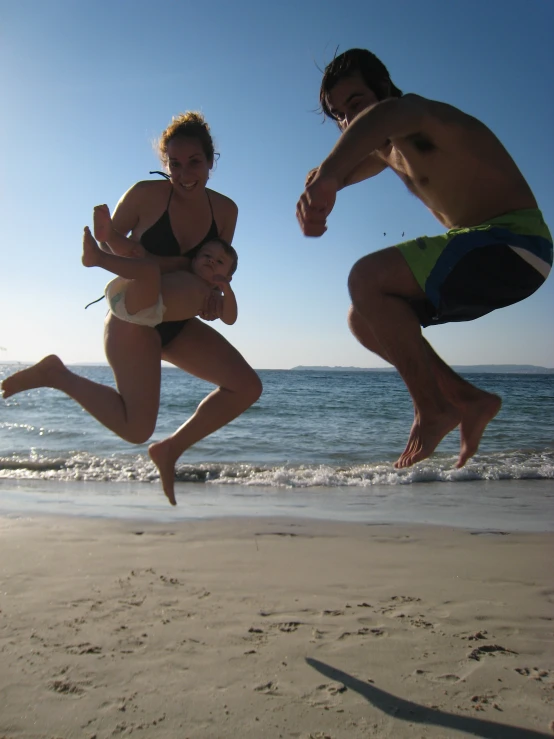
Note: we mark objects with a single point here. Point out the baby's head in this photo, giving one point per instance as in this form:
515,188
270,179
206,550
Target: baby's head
215,257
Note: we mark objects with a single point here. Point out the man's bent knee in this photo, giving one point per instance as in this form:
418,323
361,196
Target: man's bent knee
366,275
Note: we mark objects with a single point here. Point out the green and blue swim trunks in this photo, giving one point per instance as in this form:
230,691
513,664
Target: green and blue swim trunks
469,272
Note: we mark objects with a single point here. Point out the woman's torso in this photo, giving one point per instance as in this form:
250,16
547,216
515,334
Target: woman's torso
160,239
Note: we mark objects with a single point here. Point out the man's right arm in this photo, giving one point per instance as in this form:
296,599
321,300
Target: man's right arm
368,167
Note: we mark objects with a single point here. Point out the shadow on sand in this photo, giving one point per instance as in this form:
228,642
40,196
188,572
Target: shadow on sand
404,710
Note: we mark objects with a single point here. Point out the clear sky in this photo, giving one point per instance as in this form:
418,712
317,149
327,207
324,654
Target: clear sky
88,86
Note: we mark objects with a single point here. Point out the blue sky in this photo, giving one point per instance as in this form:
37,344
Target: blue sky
88,86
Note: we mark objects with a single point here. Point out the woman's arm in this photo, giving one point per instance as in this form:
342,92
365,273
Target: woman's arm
123,221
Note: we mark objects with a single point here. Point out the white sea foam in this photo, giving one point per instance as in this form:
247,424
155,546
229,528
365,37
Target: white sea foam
515,465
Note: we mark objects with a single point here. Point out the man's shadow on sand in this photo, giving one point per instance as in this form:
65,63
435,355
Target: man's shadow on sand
405,710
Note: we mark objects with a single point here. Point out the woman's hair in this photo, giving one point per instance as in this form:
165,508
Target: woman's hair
372,70
189,125
228,249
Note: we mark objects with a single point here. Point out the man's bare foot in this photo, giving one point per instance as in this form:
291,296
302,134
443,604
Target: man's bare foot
91,250
164,459
476,415
102,223
42,374
426,434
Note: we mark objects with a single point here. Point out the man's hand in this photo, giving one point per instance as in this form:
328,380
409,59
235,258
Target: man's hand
311,174
213,306
316,202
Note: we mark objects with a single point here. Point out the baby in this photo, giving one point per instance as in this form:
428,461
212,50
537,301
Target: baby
142,294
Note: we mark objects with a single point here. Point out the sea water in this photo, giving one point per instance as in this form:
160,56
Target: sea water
322,442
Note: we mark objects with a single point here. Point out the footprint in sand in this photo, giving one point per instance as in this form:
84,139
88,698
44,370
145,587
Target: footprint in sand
326,694
288,627
67,687
535,673
85,648
364,631
269,688
492,649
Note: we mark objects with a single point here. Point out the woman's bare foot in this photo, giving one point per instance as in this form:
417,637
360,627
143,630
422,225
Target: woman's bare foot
91,250
45,373
161,454
476,415
426,434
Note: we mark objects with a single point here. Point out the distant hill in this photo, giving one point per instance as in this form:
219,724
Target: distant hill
521,369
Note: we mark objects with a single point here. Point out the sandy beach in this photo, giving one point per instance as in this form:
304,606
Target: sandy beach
273,628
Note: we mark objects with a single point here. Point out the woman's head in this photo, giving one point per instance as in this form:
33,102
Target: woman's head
186,148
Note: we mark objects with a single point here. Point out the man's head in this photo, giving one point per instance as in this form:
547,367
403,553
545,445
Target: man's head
363,80
215,257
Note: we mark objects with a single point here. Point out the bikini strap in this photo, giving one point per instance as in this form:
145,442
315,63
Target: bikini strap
163,174
167,177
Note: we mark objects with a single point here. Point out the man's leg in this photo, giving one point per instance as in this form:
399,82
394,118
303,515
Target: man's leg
383,321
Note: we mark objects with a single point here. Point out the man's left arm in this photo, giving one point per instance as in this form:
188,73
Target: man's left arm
371,130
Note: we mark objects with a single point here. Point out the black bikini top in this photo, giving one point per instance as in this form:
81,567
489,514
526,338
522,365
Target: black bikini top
160,240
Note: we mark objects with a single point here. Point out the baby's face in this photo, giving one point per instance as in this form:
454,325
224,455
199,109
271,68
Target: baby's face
212,260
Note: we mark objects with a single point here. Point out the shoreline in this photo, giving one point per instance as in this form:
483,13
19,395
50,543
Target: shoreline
273,627
506,505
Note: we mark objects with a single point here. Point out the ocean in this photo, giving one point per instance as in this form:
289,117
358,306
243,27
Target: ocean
318,443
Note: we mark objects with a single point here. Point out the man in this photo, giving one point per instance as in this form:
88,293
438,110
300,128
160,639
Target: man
497,249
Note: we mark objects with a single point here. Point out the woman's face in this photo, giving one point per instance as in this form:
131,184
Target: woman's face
187,164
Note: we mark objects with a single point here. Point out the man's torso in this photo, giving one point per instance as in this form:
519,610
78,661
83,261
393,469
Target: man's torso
458,168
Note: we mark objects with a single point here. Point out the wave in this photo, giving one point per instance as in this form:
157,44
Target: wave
511,465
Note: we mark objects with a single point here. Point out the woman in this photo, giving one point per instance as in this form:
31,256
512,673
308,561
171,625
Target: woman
170,219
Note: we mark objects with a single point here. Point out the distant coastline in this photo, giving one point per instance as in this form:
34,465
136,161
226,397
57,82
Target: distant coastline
516,369
520,369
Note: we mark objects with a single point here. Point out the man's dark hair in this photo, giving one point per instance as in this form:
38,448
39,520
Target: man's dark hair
373,72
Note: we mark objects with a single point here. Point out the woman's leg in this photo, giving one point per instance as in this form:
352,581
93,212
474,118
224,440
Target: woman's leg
134,355
202,352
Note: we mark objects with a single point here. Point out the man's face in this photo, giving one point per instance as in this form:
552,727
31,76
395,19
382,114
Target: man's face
349,97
